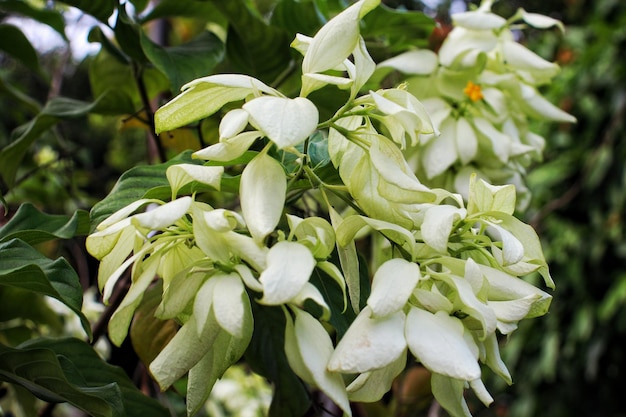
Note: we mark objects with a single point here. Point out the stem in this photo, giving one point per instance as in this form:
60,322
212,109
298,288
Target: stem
143,93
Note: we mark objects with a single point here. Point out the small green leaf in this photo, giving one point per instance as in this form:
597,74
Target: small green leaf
186,62
397,30
32,226
14,43
22,266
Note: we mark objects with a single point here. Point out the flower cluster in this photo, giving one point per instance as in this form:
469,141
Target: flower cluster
447,269
481,89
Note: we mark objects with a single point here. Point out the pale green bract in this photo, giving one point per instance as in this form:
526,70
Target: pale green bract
447,254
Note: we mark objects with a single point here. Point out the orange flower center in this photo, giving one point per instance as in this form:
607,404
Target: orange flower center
473,91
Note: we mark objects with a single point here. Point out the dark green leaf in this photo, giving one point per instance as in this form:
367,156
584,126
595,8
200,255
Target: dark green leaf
397,30
100,9
297,17
266,356
47,16
189,8
32,226
97,35
254,47
22,266
14,43
24,307
56,109
70,370
187,62
128,35
133,185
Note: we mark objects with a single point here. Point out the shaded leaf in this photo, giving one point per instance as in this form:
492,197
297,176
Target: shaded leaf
186,62
14,43
47,16
32,226
252,46
266,356
194,9
297,17
22,266
100,9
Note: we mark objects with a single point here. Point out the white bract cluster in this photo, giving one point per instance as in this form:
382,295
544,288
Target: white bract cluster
481,90
446,269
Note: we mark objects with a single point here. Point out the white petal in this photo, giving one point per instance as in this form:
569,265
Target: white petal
287,122
229,149
466,141
537,106
371,386
478,20
440,153
229,303
370,343
392,286
421,62
437,225
520,57
262,189
180,175
123,213
308,348
233,123
449,393
336,40
163,216
541,21
203,303
512,248
289,267
437,342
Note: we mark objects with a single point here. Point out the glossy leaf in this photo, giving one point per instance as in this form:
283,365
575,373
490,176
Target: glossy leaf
24,267
32,226
15,43
100,9
47,16
183,63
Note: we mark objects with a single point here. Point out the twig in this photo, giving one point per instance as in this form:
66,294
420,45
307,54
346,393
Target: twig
143,93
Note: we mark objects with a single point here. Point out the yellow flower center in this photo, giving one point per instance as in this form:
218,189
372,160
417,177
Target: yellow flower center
473,91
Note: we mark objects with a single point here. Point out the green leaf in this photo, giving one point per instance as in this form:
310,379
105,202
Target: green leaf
113,81
266,356
47,16
14,43
133,185
100,9
187,62
71,370
194,9
128,35
297,17
55,110
43,373
252,46
22,266
32,226
397,30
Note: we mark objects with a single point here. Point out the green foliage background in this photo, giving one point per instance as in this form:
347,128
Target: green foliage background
567,363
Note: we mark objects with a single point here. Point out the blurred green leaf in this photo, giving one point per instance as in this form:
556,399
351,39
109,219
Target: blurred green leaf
187,62
128,36
14,43
33,227
397,30
100,9
190,8
55,110
49,17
